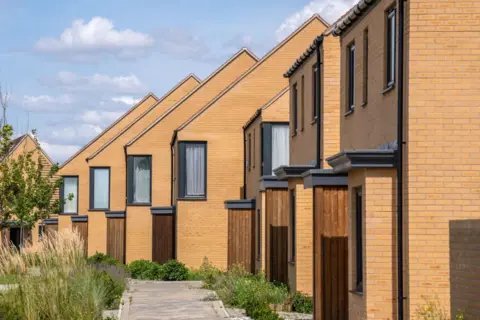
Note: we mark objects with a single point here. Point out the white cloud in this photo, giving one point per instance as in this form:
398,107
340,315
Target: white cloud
74,134
47,103
59,152
101,118
180,43
330,10
97,82
126,100
96,36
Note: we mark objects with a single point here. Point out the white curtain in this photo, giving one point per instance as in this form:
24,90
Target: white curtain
280,145
70,187
195,169
141,183
101,188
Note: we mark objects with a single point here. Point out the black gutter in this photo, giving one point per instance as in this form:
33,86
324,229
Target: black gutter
318,45
244,165
400,144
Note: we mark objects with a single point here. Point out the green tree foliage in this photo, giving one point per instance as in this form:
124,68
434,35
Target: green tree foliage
25,191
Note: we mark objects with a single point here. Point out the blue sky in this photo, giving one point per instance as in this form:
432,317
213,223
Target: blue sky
73,67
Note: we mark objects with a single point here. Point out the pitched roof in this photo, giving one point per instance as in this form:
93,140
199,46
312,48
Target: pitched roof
352,15
176,105
109,142
304,56
265,57
18,141
268,104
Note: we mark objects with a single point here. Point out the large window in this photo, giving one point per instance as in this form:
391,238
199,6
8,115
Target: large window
294,109
293,242
358,241
391,45
275,146
193,170
314,91
351,77
69,194
249,164
139,180
99,188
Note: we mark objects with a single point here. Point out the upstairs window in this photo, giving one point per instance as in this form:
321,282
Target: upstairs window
365,66
302,103
99,188
294,109
69,194
192,170
275,147
139,180
314,91
249,164
253,158
351,78
391,47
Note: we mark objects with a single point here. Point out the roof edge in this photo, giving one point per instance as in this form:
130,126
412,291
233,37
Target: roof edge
268,104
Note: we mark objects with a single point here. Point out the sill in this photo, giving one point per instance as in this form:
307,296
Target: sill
193,199
139,204
357,292
96,210
389,88
364,104
291,262
314,121
68,214
294,133
349,112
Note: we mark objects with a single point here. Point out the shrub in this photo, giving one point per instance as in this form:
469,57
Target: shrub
100,258
261,312
113,288
145,270
174,270
302,303
207,273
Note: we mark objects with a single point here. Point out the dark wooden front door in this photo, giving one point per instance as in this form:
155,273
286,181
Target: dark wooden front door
116,238
82,229
241,238
163,237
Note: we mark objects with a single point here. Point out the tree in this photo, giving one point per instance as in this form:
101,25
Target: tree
26,193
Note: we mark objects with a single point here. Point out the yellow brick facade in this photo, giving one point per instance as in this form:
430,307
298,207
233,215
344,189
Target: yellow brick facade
202,225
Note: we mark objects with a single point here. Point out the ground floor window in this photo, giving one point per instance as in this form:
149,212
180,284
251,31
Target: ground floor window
358,240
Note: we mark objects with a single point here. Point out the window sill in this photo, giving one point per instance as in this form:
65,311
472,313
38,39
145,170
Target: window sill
294,133
292,262
139,204
98,210
389,88
349,112
357,292
193,199
364,104
314,121
68,214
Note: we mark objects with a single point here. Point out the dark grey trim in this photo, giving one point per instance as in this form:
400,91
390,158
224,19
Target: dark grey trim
92,186
286,172
163,210
266,145
115,214
352,16
79,218
50,221
324,177
240,204
182,154
369,158
130,171
272,182
62,196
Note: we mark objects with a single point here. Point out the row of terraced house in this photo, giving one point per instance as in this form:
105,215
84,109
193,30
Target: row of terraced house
345,163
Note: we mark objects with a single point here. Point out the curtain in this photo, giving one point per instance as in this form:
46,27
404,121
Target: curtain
195,169
280,145
70,187
141,180
101,178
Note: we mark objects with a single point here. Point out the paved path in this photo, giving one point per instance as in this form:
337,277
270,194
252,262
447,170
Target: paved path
170,300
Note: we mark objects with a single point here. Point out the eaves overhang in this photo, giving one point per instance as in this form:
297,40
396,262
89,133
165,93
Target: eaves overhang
368,158
272,182
163,210
115,214
240,204
79,218
293,171
50,221
324,177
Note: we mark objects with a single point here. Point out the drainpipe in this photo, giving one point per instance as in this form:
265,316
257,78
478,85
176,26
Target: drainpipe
318,47
244,166
400,144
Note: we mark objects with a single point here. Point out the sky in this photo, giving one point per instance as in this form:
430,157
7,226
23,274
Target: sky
74,66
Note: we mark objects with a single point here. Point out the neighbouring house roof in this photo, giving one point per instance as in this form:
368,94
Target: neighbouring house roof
268,104
109,127
304,57
131,124
18,141
352,15
264,58
176,105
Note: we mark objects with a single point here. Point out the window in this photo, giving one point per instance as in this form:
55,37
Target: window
351,77
253,158
69,194
259,234
99,188
292,225
249,164
41,231
314,91
139,180
294,109
391,39
302,103
275,146
193,170
358,241
365,66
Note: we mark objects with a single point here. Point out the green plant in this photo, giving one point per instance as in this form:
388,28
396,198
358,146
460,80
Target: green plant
302,303
101,258
145,270
174,270
261,312
207,273
431,310
114,290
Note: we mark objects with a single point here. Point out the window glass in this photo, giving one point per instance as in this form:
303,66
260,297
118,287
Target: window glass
351,77
101,186
295,108
358,240
280,146
195,169
70,187
391,47
314,91
141,179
